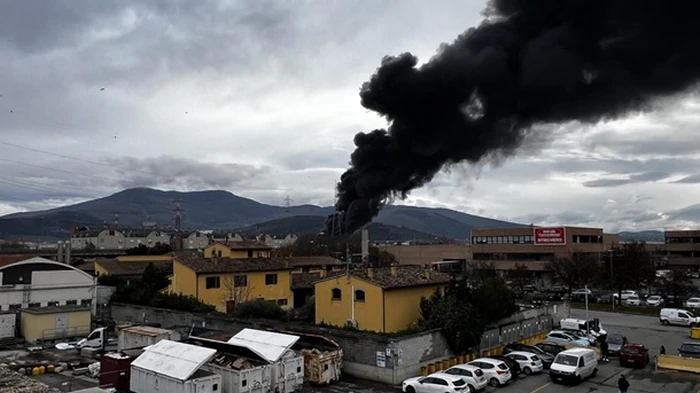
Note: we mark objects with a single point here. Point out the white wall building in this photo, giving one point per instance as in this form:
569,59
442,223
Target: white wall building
195,241
40,282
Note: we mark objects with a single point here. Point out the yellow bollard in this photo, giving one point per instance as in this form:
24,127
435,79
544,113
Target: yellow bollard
42,370
423,371
462,359
35,371
50,368
446,364
431,368
438,366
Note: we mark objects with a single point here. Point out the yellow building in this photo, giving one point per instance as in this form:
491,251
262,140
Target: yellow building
51,323
142,258
221,281
380,299
238,249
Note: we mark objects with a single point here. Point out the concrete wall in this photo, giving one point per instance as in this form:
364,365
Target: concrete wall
403,356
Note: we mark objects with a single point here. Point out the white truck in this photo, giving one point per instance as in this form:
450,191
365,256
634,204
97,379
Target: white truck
132,337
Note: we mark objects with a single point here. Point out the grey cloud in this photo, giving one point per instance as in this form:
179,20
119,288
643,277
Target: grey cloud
688,213
630,179
691,179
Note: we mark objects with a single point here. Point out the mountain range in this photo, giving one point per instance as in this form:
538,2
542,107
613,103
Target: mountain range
224,210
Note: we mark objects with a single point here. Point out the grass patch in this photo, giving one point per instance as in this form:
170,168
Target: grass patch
641,310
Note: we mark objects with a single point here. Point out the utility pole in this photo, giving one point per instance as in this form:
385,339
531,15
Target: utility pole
178,215
287,204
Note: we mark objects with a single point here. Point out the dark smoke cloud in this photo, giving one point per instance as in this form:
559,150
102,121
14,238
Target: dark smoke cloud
531,62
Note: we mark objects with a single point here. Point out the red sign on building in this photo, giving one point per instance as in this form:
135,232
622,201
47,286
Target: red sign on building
550,236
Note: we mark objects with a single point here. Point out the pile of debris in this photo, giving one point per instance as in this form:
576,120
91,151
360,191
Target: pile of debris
232,362
12,382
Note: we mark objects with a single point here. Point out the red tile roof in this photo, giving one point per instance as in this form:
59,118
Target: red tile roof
233,265
313,261
406,276
14,258
133,268
247,245
304,280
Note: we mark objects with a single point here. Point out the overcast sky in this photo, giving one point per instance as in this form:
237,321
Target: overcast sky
261,98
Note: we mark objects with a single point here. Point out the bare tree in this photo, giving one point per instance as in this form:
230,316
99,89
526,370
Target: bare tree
238,291
574,269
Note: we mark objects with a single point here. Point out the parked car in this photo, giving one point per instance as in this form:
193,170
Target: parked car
615,343
574,365
550,347
563,337
513,366
603,297
581,334
434,382
634,355
495,371
625,294
633,300
529,362
475,378
693,302
546,357
690,349
655,301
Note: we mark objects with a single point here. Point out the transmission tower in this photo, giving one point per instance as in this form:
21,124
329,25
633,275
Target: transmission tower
287,204
178,214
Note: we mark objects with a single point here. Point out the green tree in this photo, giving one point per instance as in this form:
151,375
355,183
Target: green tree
497,300
520,276
677,284
632,267
574,269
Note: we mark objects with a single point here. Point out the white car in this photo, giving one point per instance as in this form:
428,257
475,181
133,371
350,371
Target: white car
693,302
495,371
475,378
433,383
655,301
625,294
528,362
633,301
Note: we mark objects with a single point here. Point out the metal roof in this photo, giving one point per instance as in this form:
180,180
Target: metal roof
146,330
268,345
174,359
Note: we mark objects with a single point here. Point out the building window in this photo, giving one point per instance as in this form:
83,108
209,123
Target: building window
71,302
359,295
213,282
281,302
240,281
271,279
336,294
52,304
86,302
250,253
15,307
261,254
34,305
306,269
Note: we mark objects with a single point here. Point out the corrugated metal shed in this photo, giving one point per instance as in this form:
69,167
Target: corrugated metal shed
174,359
270,346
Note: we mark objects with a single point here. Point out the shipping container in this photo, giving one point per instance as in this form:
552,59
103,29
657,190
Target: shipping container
288,372
8,325
115,371
323,358
174,367
143,336
202,381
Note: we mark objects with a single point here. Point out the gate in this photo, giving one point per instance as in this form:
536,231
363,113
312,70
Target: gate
61,324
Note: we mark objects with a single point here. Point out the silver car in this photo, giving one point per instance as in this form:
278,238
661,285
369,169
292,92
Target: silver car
615,343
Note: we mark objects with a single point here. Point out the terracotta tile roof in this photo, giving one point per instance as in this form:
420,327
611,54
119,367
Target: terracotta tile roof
133,268
313,261
406,276
233,265
86,267
10,259
304,280
247,245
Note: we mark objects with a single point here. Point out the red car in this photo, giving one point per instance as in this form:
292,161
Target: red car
635,355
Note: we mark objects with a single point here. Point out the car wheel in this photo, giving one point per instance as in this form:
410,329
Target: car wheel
494,382
664,322
527,371
470,389
595,372
410,389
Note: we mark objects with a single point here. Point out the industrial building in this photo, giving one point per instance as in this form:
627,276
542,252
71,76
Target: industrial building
54,323
681,248
39,282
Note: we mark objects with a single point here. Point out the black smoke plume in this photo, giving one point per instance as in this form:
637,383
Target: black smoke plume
529,62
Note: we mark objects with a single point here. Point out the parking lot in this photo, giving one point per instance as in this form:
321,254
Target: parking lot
638,329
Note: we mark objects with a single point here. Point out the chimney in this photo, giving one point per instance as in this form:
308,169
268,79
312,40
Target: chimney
323,273
370,272
67,253
394,270
365,245
59,250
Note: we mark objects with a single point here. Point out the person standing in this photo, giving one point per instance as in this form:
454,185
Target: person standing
623,384
663,350
604,350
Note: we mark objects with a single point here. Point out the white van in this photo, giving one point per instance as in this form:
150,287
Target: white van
574,365
593,329
678,316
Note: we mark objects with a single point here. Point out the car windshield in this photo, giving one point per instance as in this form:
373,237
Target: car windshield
690,348
566,360
654,298
535,349
614,340
630,350
458,382
503,366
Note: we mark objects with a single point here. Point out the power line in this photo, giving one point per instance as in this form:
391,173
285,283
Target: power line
58,170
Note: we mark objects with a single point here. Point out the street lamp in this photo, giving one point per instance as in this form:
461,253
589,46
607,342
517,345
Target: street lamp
612,280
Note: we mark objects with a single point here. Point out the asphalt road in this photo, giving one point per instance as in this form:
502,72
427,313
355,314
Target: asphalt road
638,329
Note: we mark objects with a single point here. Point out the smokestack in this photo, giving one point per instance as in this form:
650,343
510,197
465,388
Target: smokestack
365,245
529,63
59,251
67,253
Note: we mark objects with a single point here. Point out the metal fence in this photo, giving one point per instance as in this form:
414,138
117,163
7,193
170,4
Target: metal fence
515,331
